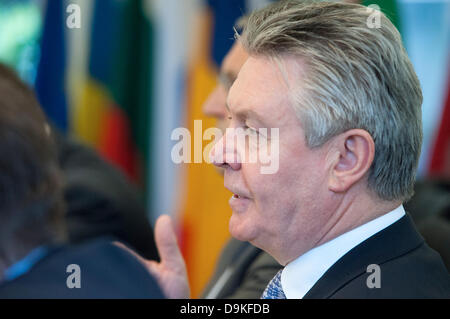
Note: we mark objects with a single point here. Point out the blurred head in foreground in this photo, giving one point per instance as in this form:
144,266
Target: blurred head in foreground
31,201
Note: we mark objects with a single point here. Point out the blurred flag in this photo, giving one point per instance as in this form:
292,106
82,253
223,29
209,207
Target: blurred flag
440,161
425,29
51,75
425,24
114,112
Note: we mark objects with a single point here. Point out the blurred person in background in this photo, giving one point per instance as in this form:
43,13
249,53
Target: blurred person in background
242,270
34,254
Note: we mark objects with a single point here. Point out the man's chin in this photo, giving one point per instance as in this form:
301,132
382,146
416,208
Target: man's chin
239,230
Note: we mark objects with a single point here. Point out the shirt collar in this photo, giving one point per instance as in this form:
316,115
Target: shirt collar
300,275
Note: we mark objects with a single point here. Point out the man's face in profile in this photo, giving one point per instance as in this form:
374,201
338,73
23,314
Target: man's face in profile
269,210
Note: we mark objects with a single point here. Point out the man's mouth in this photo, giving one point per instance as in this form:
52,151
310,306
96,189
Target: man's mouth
239,203
238,192
239,195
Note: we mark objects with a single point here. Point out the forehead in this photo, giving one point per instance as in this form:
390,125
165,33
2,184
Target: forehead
261,87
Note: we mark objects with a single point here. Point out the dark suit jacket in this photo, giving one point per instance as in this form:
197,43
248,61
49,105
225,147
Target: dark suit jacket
409,268
107,271
243,271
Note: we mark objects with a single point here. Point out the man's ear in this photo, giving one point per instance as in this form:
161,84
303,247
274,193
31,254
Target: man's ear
352,155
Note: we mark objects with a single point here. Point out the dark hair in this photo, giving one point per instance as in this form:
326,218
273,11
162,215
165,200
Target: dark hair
31,200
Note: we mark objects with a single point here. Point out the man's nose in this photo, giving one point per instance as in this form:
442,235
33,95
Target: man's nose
224,153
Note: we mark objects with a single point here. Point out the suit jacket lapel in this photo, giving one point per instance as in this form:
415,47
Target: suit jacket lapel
393,241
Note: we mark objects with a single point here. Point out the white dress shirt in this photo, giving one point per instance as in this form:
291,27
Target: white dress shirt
300,275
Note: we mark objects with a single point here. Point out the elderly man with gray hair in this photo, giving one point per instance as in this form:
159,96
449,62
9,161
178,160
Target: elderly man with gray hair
347,105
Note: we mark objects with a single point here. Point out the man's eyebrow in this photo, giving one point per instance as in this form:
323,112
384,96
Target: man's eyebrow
246,114
251,114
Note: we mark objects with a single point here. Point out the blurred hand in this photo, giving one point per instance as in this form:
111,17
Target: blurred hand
170,273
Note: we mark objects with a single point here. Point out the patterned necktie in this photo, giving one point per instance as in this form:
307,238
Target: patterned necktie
274,289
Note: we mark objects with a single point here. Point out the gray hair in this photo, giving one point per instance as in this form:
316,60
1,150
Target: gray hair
357,77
